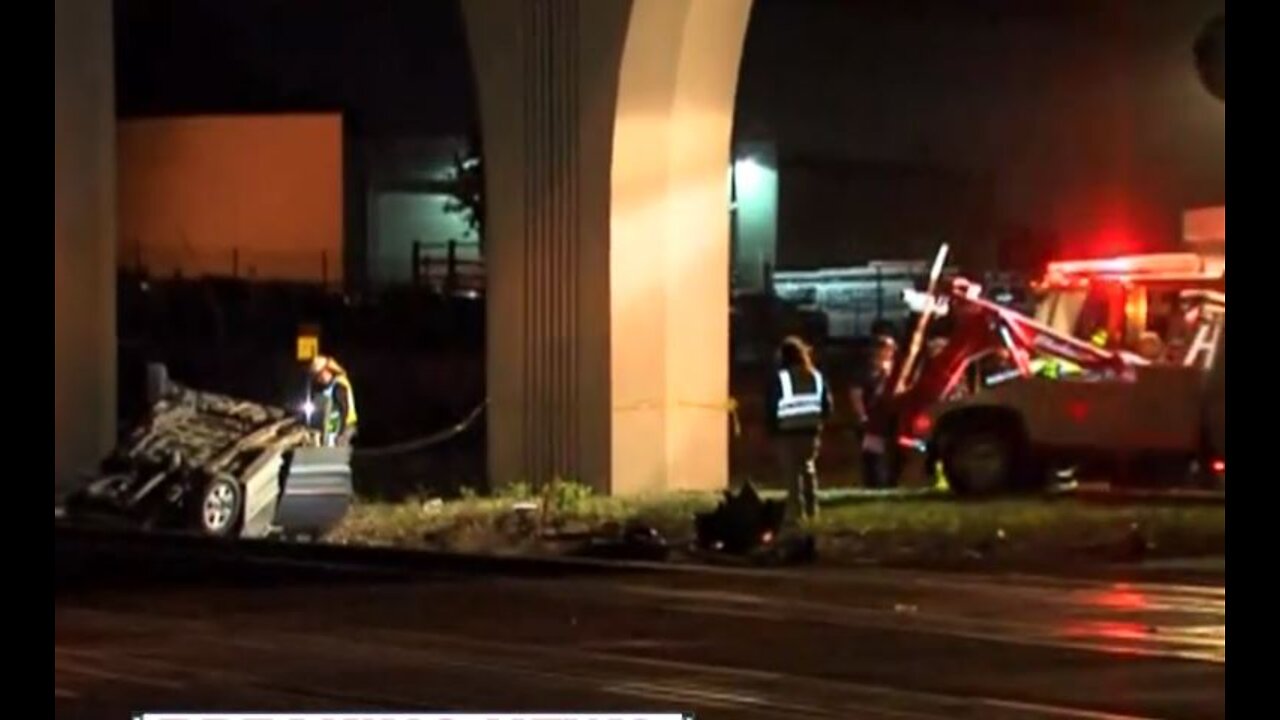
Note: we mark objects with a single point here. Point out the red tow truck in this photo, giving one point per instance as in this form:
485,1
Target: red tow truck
1009,401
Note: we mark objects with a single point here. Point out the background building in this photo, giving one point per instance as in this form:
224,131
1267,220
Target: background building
251,196
406,201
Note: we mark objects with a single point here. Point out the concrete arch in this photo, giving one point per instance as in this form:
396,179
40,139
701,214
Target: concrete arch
607,129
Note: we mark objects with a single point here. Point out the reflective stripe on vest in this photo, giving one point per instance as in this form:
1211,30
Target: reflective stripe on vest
799,409
1054,368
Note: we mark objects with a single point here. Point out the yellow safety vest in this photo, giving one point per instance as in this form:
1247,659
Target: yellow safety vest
1054,368
335,418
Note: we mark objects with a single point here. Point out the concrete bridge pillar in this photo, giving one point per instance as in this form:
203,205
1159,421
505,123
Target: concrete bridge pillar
84,245
607,129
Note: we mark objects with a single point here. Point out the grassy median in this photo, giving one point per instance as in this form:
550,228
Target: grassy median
914,529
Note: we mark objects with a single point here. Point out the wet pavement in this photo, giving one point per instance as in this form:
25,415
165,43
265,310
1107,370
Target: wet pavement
820,643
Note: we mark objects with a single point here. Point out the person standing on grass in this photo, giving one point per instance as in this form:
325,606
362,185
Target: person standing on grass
868,388
798,403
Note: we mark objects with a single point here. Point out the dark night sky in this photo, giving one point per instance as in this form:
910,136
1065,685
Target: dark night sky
1087,113
395,66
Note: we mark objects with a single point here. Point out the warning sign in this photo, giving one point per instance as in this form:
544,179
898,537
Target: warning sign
308,343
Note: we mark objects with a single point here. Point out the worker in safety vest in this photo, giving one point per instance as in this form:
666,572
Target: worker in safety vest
332,402
798,401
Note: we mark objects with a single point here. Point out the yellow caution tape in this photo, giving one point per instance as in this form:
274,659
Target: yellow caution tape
730,406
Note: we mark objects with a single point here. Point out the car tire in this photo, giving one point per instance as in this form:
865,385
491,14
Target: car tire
983,460
220,507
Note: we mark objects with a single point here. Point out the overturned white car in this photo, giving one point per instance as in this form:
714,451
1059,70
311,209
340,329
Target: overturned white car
220,467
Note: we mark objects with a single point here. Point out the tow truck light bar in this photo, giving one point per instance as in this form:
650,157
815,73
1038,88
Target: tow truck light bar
1129,268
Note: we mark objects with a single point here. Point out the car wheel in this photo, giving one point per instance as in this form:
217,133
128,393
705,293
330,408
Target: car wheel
221,504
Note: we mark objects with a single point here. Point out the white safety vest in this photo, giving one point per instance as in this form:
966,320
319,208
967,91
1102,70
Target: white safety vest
800,410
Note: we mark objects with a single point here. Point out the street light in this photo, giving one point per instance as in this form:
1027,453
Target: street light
747,174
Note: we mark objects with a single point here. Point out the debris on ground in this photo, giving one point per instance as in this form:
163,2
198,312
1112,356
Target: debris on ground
637,542
742,522
746,526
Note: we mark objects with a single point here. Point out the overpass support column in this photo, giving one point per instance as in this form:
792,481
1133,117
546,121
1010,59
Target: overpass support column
84,244
607,129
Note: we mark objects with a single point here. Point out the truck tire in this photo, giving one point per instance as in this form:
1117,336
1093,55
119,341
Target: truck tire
983,459
220,507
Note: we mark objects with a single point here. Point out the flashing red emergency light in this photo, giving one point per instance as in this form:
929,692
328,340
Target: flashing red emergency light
1155,265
